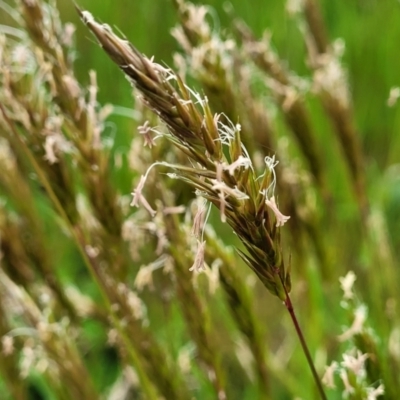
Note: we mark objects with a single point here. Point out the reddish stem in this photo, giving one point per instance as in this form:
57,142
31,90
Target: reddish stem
289,306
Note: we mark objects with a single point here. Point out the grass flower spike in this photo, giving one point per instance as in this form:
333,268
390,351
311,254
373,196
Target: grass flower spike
220,171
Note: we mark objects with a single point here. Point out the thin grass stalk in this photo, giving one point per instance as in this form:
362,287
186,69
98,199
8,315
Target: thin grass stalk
241,307
315,21
213,57
55,339
83,122
27,226
289,306
193,308
366,343
363,345
9,369
335,99
93,268
20,263
289,101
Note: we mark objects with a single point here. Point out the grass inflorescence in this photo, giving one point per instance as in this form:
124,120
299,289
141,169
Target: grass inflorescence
249,179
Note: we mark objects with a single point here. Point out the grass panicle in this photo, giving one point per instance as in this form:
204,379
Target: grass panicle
242,198
162,294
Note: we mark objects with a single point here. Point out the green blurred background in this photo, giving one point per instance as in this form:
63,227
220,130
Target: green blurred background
370,29
371,32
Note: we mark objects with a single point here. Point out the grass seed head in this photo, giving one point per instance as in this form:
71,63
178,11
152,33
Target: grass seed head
221,170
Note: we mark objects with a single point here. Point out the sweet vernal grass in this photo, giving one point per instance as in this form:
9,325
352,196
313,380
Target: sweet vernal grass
224,174
175,314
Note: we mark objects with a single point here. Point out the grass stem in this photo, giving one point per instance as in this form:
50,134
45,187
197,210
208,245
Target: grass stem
289,306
